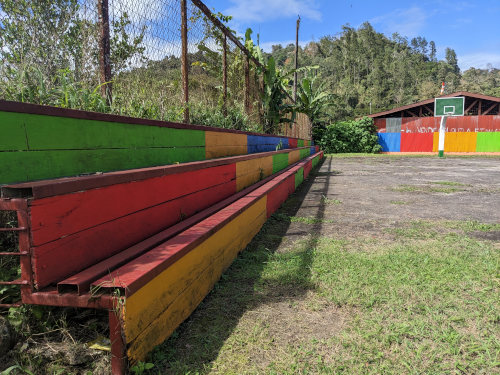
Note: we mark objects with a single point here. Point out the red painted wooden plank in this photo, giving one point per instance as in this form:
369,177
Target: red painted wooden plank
138,272
46,188
279,194
307,168
135,274
54,217
292,142
85,248
81,281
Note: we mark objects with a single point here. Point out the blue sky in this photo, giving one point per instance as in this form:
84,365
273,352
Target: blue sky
471,28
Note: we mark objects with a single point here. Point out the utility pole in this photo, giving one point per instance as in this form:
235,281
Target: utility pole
296,60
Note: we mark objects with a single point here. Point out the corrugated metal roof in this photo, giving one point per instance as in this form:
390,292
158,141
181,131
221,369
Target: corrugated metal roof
431,101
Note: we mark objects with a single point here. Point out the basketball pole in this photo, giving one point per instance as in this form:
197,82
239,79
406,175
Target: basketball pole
442,130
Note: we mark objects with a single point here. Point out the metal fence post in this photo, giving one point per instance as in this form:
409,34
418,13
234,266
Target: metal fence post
185,79
104,50
247,85
224,76
296,61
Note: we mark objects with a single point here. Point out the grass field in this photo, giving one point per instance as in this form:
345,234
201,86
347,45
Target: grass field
424,302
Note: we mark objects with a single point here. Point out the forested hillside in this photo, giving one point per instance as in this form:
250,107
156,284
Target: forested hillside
49,55
362,66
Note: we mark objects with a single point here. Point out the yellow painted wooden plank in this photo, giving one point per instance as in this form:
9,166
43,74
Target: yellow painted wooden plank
165,295
293,156
249,172
218,144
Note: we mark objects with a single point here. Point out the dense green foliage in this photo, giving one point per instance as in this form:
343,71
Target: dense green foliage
349,136
49,56
361,66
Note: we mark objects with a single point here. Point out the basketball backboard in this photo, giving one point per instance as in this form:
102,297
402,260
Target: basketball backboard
449,106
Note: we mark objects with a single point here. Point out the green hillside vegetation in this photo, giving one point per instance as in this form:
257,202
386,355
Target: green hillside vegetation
362,66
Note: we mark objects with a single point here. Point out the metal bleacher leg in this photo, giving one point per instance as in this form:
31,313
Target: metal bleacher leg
118,348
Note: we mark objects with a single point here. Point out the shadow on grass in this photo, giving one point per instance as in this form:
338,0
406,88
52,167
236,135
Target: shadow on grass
198,341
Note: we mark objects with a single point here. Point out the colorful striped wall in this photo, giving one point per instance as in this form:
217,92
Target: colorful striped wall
420,134
47,142
164,286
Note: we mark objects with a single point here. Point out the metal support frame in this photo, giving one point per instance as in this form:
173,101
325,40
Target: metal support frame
119,359
25,283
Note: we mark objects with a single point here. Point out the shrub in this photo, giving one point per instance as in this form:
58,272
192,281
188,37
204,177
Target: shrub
350,136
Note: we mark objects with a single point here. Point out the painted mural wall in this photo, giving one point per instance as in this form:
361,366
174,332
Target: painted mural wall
420,134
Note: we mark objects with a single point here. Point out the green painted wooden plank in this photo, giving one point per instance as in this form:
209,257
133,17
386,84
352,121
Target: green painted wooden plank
299,177
305,153
52,132
12,134
35,165
315,161
280,161
488,142
300,143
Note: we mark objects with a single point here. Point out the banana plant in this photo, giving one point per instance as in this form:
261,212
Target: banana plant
312,98
274,97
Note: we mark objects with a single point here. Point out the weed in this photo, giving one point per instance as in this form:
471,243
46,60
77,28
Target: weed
326,200
141,367
22,370
399,202
472,225
300,219
425,189
444,190
448,183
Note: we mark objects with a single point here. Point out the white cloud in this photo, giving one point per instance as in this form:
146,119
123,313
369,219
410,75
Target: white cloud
479,60
406,22
266,10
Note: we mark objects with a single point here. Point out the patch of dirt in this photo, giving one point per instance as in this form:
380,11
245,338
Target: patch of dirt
298,320
293,322
368,187
490,236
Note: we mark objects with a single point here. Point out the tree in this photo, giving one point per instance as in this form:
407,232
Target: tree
41,33
432,54
452,61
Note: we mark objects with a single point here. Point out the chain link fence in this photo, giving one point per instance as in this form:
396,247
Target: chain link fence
127,57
